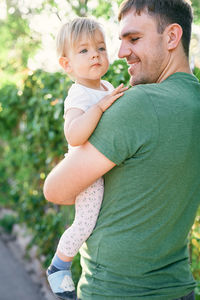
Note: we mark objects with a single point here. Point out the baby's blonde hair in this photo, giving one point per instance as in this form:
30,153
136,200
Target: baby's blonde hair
72,31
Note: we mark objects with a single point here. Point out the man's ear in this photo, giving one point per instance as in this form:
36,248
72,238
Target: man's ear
65,64
174,34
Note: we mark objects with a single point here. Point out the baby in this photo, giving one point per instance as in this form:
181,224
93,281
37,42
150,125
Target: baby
82,50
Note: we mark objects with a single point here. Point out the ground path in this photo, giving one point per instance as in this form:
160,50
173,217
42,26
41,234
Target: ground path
15,282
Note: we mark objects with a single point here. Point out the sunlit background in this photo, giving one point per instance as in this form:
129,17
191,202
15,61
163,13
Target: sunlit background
44,21
45,17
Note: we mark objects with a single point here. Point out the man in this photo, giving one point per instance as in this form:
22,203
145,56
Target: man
147,147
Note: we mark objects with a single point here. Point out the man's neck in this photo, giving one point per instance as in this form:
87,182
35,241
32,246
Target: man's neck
175,64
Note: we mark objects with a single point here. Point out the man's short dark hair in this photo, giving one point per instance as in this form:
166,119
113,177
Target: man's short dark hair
165,12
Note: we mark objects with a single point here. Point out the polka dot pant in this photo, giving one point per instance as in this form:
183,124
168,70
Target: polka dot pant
87,206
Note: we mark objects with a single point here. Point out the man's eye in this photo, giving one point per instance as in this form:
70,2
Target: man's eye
134,40
83,51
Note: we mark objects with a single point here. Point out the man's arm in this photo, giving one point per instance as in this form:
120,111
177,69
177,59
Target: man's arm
74,173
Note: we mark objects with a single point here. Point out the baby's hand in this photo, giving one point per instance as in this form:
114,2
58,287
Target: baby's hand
108,100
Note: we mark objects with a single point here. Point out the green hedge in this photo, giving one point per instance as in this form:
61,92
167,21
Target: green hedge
31,144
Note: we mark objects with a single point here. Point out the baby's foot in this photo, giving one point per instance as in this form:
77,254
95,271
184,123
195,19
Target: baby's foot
61,283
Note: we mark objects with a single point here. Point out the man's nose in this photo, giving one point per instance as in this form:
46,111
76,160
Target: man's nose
124,51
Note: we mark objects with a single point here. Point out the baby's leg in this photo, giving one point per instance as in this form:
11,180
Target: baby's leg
87,205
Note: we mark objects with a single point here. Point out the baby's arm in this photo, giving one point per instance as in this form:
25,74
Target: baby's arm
79,125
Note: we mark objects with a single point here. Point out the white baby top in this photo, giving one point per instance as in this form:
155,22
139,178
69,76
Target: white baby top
82,97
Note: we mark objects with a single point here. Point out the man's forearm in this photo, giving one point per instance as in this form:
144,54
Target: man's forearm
53,190
76,172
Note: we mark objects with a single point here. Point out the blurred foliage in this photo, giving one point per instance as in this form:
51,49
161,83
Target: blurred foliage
85,8
118,73
196,10
8,221
17,44
106,9
32,141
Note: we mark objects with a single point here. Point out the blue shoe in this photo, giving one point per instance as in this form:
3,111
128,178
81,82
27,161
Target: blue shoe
61,283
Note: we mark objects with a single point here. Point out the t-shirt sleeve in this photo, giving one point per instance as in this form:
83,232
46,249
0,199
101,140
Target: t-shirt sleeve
126,127
77,98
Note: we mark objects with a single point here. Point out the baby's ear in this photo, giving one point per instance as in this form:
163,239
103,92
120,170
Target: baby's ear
65,64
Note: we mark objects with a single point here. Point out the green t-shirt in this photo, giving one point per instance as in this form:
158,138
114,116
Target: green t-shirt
138,249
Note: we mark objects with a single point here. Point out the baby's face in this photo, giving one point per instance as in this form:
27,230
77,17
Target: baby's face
88,60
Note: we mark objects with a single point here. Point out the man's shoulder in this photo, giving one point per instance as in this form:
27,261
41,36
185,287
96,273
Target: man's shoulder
144,94
140,95
147,89
135,105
